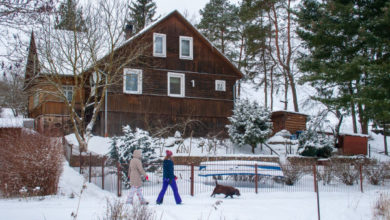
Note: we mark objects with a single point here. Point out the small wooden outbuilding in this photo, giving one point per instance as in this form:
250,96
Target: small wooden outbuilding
291,121
353,144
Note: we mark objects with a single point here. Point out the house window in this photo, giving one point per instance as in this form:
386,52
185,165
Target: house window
220,85
176,84
159,45
132,81
186,48
35,100
68,91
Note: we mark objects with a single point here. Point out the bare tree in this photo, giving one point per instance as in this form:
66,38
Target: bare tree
91,61
283,37
12,94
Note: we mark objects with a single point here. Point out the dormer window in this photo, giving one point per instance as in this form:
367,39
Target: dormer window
68,91
220,85
159,45
186,48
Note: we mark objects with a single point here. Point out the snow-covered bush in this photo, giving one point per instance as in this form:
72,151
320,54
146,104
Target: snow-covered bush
348,173
375,172
122,149
30,164
314,142
250,124
292,172
382,207
325,174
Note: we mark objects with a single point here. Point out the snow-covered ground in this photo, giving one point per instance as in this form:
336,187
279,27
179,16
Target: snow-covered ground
265,205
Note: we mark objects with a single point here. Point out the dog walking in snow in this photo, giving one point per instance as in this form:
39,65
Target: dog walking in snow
227,190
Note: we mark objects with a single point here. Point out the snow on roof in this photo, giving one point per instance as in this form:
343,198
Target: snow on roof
353,134
11,122
292,112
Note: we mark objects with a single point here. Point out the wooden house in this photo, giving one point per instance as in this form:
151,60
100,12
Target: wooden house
182,77
50,114
290,121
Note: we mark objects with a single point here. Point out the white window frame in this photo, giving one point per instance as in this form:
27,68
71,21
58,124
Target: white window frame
128,71
223,83
191,56
35,99
182,84
164,45
66,90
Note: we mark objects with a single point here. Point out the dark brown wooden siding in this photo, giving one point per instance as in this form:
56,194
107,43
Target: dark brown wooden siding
289,121
154,108
155,112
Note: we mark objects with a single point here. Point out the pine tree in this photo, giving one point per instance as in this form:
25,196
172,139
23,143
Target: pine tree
142,13
114,149
313,141
250,124
219,24
122,149
70,17
348,45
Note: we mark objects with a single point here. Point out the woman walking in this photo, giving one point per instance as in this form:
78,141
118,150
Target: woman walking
135,173
168,179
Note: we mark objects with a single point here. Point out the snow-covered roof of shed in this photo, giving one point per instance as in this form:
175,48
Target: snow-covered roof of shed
292,112
11,122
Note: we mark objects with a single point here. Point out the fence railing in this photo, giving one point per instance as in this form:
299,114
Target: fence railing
193,180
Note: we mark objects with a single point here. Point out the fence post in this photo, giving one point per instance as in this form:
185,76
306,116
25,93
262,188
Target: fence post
103,160
315,177
361,177
90,166
119,179
192,179
256,179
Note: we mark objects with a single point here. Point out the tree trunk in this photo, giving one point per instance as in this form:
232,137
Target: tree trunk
265,79
385,139
272,87
363,120
353,111
286,65
253,149
285,91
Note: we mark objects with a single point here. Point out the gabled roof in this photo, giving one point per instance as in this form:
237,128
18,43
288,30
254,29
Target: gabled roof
184,20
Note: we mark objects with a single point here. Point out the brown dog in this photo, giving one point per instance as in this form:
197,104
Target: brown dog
227,190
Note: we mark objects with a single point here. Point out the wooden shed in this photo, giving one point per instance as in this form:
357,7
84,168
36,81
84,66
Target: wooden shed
290,121
10,127
353,144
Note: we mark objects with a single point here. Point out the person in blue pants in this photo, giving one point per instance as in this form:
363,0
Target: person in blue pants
168,179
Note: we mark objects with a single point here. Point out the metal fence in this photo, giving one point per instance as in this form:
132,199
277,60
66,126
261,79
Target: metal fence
248,178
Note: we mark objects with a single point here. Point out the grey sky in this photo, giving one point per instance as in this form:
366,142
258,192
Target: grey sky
192,6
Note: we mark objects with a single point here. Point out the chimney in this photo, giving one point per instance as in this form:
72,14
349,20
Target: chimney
128,30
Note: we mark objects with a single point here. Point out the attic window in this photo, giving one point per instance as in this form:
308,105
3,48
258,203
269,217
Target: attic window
186,48
176,84
68,91
220,85
132,81
35,100
159,45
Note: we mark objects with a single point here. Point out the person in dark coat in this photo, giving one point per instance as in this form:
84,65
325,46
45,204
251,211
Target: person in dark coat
169,178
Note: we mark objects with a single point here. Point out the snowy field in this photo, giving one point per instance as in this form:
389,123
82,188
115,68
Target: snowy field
265,205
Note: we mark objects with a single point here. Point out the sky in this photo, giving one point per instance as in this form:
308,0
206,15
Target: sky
192,6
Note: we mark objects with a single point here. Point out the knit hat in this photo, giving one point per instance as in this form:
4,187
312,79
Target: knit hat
169,153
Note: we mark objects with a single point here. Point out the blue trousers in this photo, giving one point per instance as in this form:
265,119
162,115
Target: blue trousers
173,185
